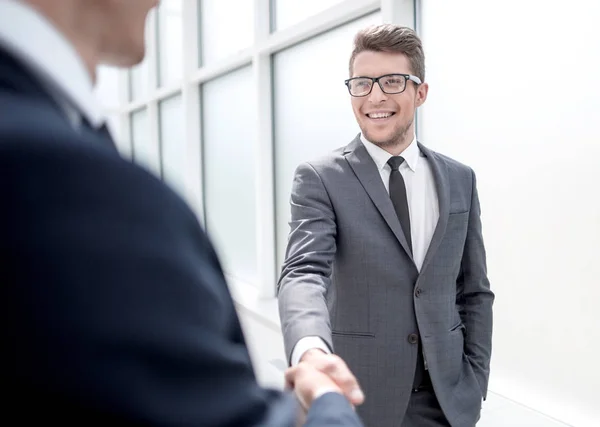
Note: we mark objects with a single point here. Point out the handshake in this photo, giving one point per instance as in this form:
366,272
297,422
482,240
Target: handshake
319,373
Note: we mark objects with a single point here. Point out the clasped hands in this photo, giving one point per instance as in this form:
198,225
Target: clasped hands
319,373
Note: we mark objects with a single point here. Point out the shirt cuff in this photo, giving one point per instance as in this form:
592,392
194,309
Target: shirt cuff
305,344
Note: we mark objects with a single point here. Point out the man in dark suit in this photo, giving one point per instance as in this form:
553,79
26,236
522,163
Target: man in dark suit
385,263
115,306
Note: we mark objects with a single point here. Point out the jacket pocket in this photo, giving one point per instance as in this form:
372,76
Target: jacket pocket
352,334
458,327
458,211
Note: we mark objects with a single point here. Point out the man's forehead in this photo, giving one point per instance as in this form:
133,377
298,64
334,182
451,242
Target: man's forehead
379,63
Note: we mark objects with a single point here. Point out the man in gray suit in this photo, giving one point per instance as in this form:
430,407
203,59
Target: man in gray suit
385,264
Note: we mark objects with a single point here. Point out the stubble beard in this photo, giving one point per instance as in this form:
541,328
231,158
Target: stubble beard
398,138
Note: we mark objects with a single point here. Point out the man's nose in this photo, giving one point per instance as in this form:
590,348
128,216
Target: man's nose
377,96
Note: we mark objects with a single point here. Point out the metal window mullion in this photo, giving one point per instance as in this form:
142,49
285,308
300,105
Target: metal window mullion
194,181
152,102
124,130
402,12
417,27
264,166
320,23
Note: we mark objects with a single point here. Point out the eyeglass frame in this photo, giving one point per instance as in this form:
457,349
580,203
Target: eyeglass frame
407,77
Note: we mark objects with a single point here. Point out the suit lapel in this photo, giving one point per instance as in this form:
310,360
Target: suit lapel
366,171
440,175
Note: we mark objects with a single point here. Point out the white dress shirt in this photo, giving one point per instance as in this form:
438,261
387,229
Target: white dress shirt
33,40
423,207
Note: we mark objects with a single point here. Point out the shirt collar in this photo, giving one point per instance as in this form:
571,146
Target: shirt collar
380,156
46,52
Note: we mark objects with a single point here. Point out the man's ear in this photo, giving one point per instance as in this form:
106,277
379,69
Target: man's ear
422,91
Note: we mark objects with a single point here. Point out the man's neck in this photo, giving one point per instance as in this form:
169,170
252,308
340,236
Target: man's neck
397,149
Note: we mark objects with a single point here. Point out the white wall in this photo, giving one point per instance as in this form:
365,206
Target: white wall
515,93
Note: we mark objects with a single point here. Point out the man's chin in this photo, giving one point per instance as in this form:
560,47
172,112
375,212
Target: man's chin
387,139
379,140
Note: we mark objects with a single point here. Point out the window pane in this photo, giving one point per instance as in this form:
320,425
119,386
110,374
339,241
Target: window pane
229,127
290,12
227,27
144,152
172,142
170,42
310,123
138,81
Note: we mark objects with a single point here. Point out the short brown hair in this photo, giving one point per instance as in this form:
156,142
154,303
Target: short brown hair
392,39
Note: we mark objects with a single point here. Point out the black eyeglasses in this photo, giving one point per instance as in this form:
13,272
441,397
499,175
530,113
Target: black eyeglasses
390,84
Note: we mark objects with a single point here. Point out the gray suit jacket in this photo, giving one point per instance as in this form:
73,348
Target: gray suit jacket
349,278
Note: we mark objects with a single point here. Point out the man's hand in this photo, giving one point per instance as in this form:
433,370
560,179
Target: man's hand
309,383
337,371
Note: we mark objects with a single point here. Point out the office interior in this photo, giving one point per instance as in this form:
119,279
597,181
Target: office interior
234,94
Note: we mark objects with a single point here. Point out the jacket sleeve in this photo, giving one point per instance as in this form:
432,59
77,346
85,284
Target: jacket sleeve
332,410
115,303
306,271
475,298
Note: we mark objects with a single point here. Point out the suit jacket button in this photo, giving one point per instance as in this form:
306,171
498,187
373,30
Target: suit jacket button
418,292
413,338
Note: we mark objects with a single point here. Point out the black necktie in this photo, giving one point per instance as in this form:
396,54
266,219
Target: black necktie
398,196
400,202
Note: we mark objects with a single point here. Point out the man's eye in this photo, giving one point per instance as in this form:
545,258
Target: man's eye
393,82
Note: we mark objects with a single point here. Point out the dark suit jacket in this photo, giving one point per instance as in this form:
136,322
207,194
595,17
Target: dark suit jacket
115,308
